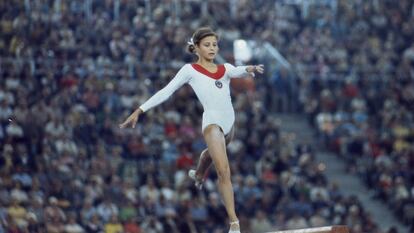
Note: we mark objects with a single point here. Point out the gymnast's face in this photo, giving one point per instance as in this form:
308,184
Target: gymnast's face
207,48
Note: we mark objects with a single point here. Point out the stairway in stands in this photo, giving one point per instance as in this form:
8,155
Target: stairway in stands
335,171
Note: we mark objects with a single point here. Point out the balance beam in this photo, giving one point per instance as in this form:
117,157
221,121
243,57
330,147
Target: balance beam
329,229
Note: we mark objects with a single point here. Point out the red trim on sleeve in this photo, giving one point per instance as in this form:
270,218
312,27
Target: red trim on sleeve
217,75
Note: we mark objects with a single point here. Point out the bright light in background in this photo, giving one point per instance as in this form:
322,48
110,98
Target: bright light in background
242,51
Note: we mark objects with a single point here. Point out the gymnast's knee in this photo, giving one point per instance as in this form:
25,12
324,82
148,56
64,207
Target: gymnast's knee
223,173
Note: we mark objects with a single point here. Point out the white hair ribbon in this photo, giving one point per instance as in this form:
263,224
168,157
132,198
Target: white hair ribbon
191,42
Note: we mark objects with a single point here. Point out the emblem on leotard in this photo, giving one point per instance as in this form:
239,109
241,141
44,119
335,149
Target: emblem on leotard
219,84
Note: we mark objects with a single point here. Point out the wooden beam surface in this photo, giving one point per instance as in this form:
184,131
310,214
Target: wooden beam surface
328,229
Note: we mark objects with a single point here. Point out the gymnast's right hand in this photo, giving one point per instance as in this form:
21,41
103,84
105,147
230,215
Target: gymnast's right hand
132,119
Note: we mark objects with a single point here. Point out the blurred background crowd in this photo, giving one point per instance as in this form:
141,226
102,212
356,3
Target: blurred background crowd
361,97
72,70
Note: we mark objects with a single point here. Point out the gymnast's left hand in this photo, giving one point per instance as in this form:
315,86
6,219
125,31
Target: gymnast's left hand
257,68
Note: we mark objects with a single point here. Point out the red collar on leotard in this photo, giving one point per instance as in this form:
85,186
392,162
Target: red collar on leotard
217,75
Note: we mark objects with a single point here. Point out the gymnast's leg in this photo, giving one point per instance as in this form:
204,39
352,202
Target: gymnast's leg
205,161
216,145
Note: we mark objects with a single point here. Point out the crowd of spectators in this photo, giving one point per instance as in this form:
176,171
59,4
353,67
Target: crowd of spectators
359,94
72,70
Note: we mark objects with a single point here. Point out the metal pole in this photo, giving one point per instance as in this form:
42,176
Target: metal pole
334,6
32,66
88,9
58,6
27,6
204,8
177,10
116,9
233,9
148,8
305,9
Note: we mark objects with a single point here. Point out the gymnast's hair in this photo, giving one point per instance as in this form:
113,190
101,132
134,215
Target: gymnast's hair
198,36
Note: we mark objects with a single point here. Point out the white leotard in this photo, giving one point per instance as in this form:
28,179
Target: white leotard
212,90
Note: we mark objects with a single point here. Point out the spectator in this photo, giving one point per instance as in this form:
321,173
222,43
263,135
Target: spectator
152,225
107,210
18,214
54,212
260,223
94,225
130,226
72,226
113,225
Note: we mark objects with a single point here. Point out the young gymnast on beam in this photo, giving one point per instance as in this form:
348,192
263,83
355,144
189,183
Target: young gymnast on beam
211,84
